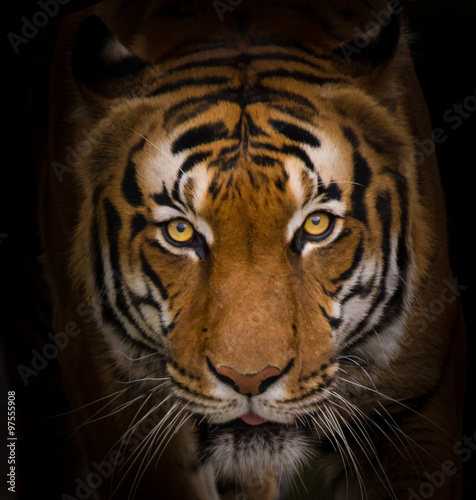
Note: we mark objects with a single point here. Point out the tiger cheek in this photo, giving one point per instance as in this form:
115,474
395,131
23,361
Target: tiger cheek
334,264
313,308
325,271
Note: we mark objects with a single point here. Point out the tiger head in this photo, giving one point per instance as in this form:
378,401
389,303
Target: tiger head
245,231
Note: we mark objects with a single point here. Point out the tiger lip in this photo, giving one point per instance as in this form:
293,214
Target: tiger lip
251,418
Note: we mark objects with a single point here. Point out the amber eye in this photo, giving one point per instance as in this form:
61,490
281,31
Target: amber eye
180,230
317,224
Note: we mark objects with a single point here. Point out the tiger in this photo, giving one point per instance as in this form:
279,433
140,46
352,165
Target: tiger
236,218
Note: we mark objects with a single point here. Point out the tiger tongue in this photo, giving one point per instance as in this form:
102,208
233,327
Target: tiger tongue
252,419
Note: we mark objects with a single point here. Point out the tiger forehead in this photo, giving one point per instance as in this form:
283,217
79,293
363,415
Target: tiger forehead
254,135
245,149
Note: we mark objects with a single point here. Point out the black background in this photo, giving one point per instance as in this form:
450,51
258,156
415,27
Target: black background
444,47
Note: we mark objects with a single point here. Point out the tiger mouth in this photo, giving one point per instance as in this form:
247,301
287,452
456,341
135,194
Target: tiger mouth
244,436
247,431
239,425
237,449
253,419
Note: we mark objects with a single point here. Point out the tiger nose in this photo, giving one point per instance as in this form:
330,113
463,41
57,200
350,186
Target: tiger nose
248,384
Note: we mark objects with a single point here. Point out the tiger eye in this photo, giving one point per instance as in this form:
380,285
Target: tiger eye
317,224
180,230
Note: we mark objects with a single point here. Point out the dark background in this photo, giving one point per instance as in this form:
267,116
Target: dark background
444,48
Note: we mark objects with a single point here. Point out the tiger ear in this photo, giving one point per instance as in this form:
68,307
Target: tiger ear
373,46
102,67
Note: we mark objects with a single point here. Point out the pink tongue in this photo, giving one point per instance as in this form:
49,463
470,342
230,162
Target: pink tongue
252,419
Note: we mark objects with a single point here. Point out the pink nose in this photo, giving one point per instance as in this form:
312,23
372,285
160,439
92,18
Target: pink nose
248,384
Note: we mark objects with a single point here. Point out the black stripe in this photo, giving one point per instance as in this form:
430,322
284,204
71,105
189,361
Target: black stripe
333,322
395,303
273,96
98,266
130,186
349,134
295,133
227,163
164,199
197,46
242,96
150,273
300,76
362,177
253,129
138,224
244,60
330,192
150,301
214,189
189,82
286,57
362,289
225,150
192,160
107,312
288,44
402,250
280,183
114,225
200,135
188,164
393,307
384,209
345,275
300,153
216,62
265,160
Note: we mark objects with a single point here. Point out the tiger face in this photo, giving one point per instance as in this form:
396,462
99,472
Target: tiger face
248,242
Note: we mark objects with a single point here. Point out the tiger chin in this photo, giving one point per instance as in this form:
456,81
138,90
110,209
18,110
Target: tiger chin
234,214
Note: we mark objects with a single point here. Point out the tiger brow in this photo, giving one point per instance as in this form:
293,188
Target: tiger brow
295,133
197,136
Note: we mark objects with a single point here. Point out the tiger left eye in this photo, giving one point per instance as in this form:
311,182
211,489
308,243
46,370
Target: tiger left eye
317,224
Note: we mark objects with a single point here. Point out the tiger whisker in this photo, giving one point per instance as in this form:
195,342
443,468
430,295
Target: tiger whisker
357,467
399,402
91,418
397,427
147,453
164,381
79,408
122,353
143,445
366,441
133,426
346,462
175,429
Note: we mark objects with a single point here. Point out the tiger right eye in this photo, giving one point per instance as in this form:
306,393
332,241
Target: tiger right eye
180,230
